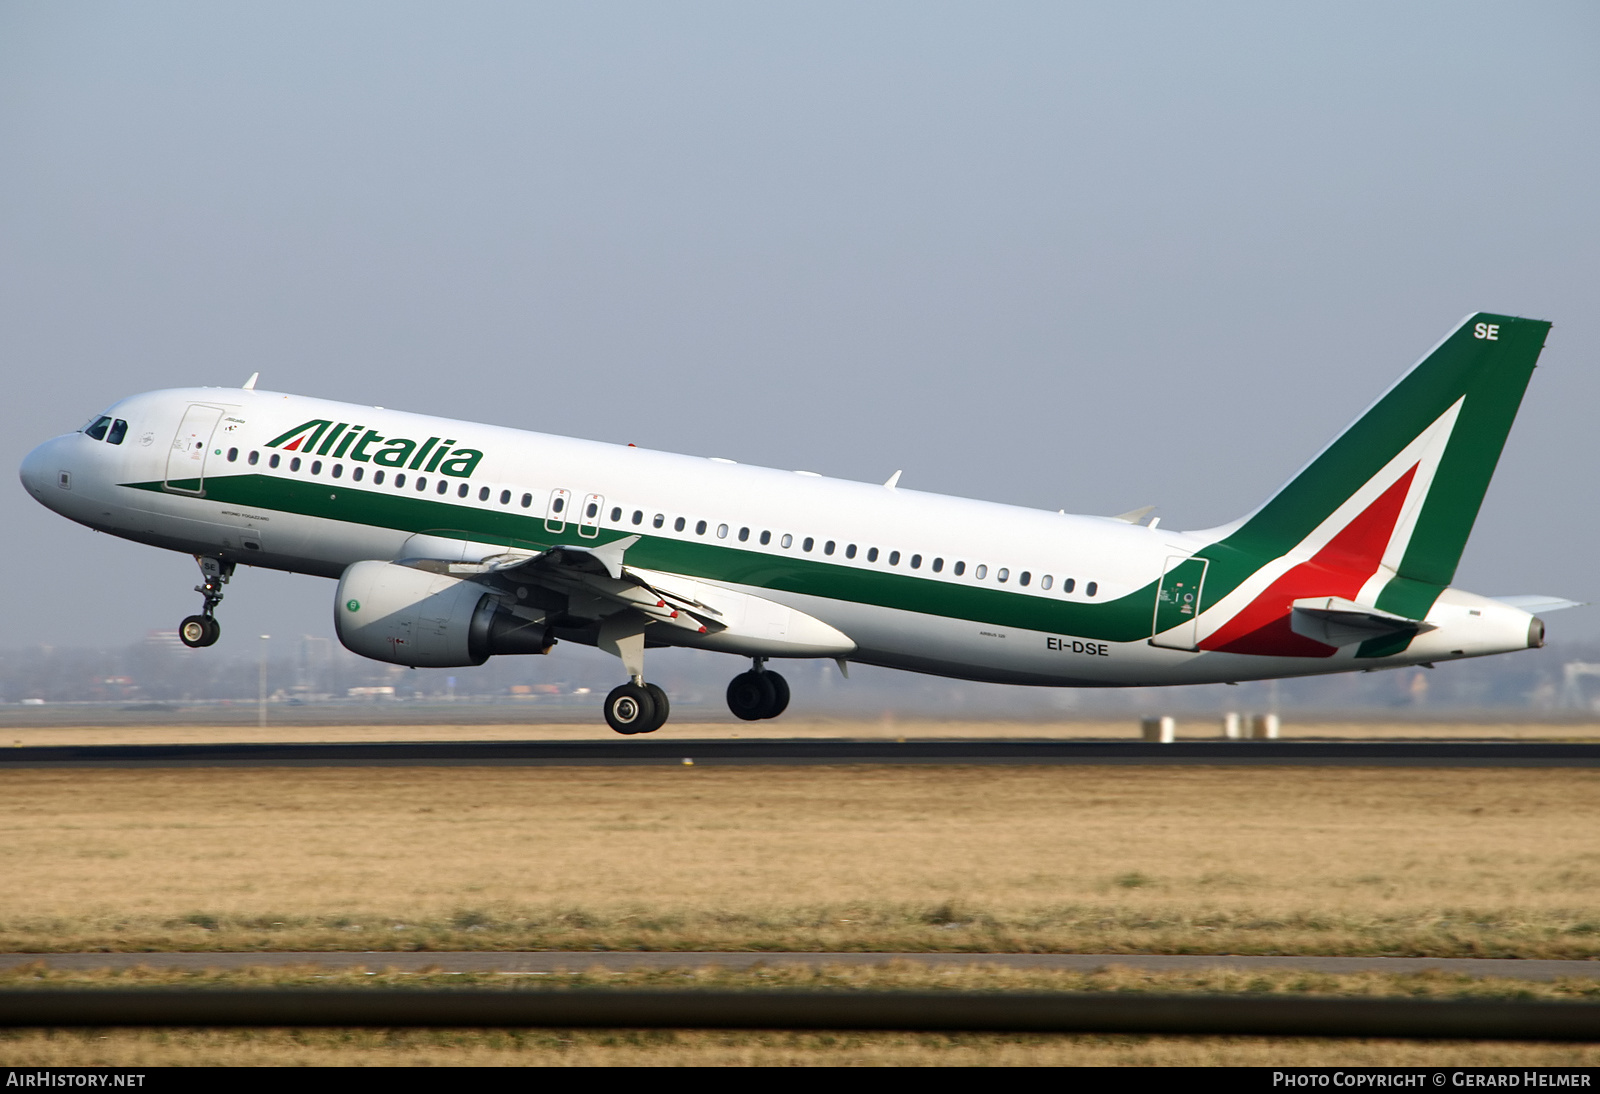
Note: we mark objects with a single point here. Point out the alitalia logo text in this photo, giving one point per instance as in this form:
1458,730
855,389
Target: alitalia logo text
342,440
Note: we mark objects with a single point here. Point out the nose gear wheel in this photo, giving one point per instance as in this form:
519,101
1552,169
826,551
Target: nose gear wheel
199,630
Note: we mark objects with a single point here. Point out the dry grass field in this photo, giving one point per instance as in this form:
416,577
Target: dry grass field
1442,862
144,1048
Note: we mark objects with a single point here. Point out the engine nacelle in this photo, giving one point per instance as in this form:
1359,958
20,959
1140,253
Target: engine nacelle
407,616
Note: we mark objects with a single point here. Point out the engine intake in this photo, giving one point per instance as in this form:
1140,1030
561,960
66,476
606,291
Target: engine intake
406,616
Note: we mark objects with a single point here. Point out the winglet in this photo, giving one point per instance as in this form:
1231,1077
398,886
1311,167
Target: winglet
1134,516
250,384
894,481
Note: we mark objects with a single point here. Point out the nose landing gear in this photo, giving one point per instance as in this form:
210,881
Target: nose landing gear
203,629
759,693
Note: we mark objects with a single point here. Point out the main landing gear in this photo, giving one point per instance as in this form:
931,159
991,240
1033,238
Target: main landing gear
637,708
640,707
759,693
203,629
634,707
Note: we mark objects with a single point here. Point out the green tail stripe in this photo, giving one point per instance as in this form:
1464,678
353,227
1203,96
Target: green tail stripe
1485,363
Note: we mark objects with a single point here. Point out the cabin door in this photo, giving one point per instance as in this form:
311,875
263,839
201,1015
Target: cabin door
1176,623
186,462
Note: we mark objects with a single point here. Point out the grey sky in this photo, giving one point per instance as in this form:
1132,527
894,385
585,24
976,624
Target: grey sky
1084,256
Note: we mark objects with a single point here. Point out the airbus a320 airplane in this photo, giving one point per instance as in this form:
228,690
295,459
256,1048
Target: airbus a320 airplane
453,542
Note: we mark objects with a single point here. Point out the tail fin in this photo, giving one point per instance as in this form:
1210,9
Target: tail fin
1389,504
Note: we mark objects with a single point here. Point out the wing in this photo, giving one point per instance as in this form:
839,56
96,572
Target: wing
598,574
596,584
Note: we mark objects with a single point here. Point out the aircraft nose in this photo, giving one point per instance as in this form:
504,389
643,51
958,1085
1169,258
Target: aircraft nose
40,469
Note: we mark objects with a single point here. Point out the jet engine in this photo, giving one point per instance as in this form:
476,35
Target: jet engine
410,616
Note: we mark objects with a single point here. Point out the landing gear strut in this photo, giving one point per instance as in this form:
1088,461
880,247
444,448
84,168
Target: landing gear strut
759,693
203,629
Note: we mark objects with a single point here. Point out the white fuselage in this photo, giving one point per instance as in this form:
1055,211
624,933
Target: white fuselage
916,581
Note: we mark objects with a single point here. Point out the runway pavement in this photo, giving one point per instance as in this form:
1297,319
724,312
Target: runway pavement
802,751
533,963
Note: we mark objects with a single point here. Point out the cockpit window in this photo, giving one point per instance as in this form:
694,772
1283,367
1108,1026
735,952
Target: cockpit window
119,430
98,429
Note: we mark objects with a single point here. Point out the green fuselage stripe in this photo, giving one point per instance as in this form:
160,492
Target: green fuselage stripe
1125,619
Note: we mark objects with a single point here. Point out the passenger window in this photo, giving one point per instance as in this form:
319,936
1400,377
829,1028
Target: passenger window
1091,588
316,467
444,486
254,458
788,541
938,565
294,464
591,510
1002,574
422,483
616,516
766,538
119,430
273,462
827,548
872,554
960,568
722,531
98,429
916,562
377,478
808,544
700,528
399,482
356,473
659,521
744,535
981,572
1024,577
527,501
638,516
558,504
483,493
894,558
233,455
505,497
1046,581
677,525
338,469
850,551
1068,585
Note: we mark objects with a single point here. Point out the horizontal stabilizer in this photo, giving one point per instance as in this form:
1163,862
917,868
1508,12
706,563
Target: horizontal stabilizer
1533,602
1335,621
